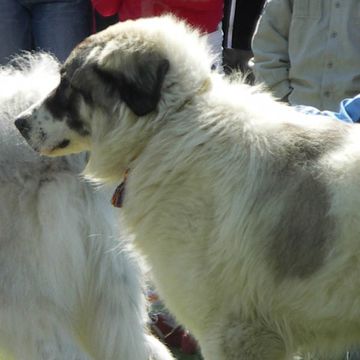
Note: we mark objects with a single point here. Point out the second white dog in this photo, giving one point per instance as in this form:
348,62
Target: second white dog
70,289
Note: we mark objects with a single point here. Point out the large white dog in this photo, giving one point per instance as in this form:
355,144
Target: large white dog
68,289
248,212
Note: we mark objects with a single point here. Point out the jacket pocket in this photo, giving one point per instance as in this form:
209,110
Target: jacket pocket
310,9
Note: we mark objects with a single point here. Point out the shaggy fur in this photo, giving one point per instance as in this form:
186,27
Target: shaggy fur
69,290
247,211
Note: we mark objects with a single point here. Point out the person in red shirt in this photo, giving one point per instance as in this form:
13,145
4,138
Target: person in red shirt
205,15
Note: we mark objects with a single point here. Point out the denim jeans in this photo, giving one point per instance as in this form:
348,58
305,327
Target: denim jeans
56,26
353,355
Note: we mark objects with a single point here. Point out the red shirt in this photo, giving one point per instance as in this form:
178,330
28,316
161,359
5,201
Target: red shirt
203,14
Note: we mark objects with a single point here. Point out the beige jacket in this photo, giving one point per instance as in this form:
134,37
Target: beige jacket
309,50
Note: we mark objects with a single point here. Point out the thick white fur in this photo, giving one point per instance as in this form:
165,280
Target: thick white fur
69,290
215,173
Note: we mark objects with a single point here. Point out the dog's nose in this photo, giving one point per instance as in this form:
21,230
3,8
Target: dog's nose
22,123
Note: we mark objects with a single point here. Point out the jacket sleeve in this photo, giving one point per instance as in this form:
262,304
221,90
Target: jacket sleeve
270,47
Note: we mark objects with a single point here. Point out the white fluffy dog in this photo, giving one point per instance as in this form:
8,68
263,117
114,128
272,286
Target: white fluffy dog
247,211
68,289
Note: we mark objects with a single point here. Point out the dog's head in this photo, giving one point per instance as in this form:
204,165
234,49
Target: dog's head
123,74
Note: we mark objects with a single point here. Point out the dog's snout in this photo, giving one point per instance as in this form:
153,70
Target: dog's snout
22,124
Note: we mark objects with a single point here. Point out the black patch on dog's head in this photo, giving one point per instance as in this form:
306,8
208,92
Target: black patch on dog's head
73,119
140,90
138,82
64,105
57,102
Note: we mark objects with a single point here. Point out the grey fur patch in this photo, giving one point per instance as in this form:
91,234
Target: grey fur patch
303,231
299,240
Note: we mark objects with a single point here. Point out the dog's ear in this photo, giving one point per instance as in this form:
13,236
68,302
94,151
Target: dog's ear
139,85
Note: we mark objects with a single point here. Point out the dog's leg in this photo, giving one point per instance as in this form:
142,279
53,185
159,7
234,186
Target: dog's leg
62,345
115,316
39,334
252,341
314,356
246,341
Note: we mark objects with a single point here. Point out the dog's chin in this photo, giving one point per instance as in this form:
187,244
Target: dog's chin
51,152
62,149
54,152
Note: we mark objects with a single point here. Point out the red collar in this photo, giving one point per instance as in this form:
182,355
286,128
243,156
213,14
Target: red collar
119,193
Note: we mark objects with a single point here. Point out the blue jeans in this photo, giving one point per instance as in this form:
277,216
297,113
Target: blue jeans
56,26
353,355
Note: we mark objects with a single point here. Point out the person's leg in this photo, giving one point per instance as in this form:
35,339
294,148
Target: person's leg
58,26
353,355
15,31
